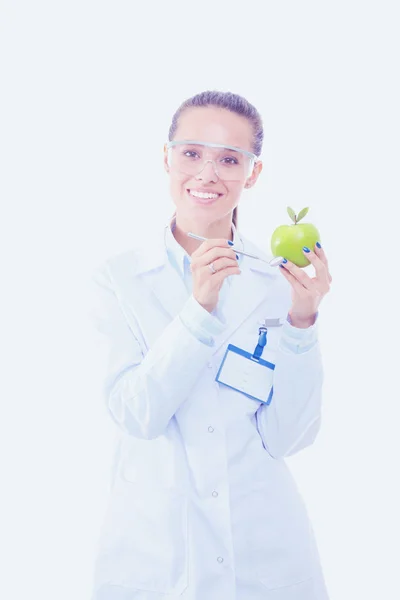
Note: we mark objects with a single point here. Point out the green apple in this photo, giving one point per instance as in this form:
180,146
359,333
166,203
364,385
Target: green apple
288,240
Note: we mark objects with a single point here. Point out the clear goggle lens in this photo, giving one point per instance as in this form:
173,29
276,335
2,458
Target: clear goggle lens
230,163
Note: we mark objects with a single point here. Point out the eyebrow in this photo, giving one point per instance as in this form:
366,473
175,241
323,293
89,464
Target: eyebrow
230,150
223,148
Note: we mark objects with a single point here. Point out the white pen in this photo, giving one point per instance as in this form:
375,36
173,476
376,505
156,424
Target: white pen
275,262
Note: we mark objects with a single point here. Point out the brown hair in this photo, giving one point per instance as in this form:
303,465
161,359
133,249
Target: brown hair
232,102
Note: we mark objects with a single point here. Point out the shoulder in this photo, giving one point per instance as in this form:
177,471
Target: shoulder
144,255
125,261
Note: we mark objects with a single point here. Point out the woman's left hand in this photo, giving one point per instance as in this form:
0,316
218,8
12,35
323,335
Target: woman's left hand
307,292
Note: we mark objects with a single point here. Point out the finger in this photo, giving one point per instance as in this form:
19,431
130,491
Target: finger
320,252
222,274
299,275
216,253
297,286
321,269
209,244
221,263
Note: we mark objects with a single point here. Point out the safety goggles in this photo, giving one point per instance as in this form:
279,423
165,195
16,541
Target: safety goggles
230,163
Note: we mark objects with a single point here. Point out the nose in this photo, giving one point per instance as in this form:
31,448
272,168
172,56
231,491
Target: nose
208,172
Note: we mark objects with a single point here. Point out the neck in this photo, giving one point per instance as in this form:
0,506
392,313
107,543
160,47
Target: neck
218,229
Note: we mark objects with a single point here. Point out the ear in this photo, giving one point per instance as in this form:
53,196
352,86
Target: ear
254,176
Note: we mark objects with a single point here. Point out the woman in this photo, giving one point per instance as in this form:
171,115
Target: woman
202,505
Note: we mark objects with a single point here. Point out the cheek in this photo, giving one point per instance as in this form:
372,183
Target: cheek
175,184
233,192
177,188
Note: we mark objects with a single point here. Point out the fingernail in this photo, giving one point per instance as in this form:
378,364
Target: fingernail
284,260
318,245
230,243
306,249
237,256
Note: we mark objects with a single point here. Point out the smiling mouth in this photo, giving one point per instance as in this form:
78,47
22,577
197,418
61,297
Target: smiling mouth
188,190
203,201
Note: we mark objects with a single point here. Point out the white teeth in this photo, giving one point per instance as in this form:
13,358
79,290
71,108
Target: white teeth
203,195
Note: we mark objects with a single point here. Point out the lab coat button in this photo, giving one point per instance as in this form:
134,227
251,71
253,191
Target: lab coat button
211,429
215,494
220,559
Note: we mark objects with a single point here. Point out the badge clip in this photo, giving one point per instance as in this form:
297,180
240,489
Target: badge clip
262,342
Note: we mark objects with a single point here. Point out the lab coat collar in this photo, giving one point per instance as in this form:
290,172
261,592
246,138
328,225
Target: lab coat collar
247,291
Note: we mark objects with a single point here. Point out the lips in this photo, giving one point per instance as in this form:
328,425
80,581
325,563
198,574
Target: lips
203,191
204,201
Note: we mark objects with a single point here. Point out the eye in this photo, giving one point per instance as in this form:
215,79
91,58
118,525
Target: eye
190,152
234,160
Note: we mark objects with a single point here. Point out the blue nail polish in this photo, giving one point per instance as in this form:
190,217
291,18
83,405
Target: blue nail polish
230,243
318,245
306,249
281,266
284,260
237,256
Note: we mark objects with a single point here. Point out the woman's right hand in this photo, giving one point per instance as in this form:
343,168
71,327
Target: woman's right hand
207,285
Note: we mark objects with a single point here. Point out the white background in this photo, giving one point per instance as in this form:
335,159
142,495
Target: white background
88,91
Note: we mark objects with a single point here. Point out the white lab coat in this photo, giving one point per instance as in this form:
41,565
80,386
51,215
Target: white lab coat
202,505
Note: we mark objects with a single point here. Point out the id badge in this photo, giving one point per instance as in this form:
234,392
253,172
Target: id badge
241,371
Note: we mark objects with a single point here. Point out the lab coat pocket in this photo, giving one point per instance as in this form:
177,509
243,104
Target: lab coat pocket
144,540
158,463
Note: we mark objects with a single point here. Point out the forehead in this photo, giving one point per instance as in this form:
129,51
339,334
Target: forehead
214,124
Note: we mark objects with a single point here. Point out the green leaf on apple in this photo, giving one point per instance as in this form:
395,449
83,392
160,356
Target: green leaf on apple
291,214
302,214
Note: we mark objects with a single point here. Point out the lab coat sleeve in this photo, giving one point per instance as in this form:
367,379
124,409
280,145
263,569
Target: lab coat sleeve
200,322
292,420
144,388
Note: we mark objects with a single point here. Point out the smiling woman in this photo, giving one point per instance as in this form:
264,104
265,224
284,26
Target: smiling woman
210,386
